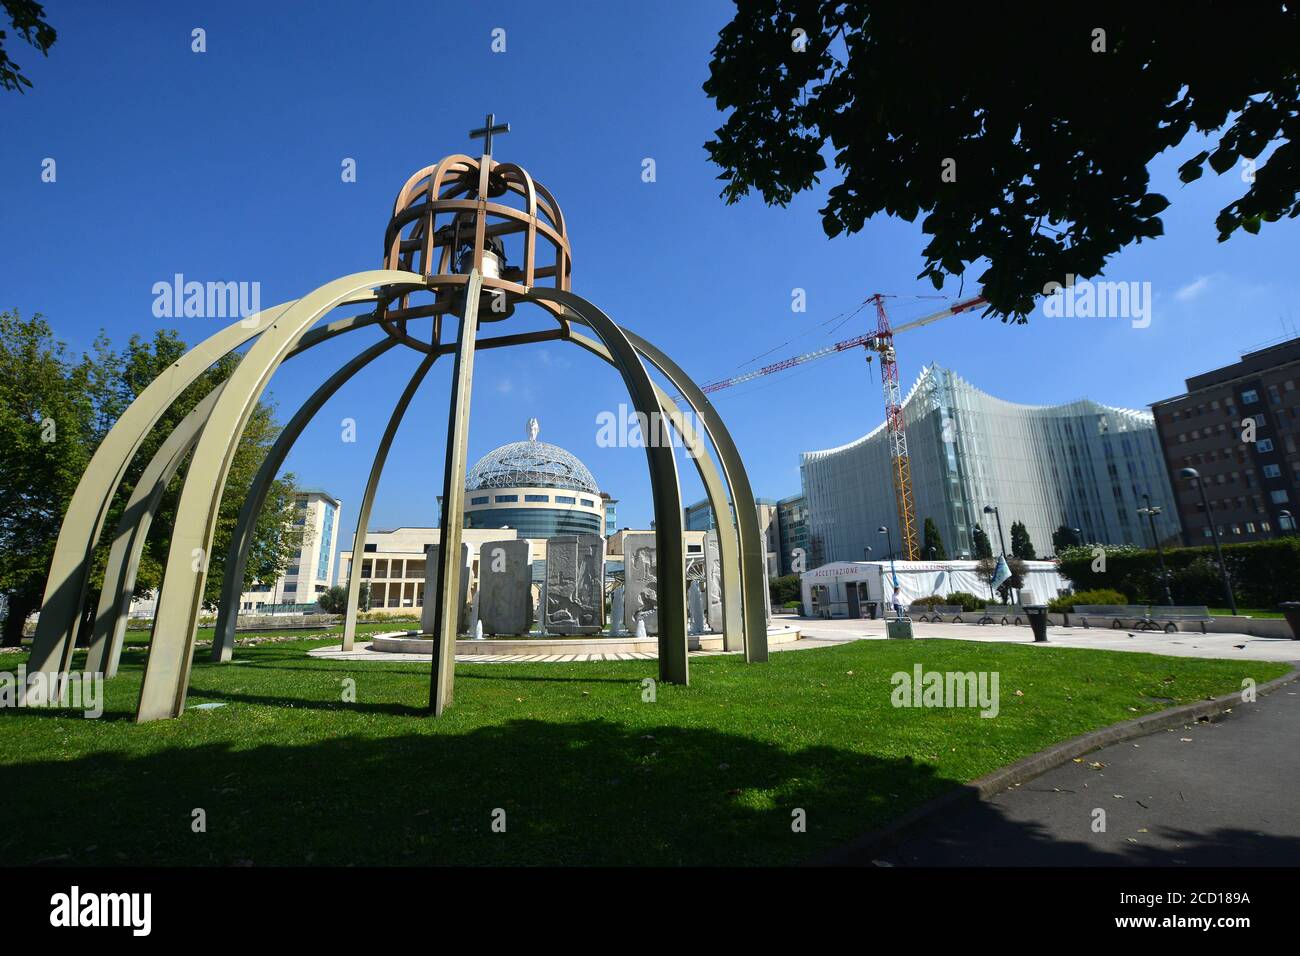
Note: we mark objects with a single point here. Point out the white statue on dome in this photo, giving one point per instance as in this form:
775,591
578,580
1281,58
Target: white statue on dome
533,428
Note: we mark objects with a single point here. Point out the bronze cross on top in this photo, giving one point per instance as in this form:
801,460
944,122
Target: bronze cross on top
485,133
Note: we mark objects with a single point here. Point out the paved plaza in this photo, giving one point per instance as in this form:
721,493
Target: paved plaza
826,633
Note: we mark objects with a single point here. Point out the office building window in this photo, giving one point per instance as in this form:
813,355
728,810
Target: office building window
1265,444
479,501
1249,396
1272,471
503,499
537,497
1279,497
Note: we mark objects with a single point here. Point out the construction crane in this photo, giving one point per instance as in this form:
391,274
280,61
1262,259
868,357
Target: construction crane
881,341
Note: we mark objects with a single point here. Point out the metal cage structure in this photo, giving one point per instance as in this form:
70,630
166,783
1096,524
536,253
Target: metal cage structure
446,258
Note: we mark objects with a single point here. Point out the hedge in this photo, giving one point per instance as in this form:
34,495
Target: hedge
1070,601
1263,573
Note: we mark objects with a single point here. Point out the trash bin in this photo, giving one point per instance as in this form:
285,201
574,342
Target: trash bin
1037,614
1292,611
872,607
899,628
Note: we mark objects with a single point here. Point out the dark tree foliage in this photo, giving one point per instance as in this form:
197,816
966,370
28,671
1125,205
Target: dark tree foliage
1064,537
932,544
1021,546
983,549
28,19
1050,125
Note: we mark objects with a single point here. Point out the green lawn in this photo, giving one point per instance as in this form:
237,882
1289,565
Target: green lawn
140,636
585,770
1250,611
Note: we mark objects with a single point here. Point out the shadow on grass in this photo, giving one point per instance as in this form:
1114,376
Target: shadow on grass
584,792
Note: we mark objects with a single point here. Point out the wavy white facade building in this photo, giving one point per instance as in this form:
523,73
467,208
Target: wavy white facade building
1081,465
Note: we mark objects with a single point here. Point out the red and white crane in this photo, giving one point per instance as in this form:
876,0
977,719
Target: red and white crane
881,341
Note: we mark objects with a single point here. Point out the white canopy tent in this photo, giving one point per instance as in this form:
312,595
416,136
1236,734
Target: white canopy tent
843,588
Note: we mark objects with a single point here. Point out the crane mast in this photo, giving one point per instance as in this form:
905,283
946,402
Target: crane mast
881,341
900,467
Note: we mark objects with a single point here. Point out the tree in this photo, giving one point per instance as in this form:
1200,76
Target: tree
1021,546
1008,162
54,413
45,430
784,589
28,19
983,549
932,545
333,601
1064,537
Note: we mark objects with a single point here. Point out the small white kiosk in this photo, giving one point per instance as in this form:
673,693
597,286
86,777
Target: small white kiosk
847,588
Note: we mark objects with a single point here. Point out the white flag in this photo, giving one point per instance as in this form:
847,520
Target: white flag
1001,573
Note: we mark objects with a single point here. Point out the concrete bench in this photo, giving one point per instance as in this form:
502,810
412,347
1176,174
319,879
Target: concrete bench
1145,617
937,613
1004,614
1117,614
1168,618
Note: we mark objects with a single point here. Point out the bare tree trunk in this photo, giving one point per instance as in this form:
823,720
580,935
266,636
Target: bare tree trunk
19,607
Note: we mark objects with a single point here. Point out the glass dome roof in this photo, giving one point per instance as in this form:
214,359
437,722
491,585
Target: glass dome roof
530,464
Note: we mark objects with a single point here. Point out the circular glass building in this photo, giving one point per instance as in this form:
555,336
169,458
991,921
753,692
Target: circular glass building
537,488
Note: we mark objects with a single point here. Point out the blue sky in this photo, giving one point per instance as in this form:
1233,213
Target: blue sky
225,165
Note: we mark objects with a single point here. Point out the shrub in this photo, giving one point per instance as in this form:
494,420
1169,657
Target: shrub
968,601
784,589
1264,573
1099,596
793,605
931,600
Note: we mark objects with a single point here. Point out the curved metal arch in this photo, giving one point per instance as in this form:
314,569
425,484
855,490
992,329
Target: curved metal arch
368,499
664,487
132,532
68,579
223,637
167,668
129,538
753,563
728,544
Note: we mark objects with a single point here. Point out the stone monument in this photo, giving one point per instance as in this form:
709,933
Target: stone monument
505,577
713,580
431,586
575,584
641,602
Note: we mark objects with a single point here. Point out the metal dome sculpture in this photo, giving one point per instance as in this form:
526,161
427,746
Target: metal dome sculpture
531,464
446,258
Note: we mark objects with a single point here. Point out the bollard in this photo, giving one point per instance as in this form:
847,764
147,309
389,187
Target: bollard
1037,614
1291,609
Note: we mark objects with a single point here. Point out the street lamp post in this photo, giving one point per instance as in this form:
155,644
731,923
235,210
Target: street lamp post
889,537
1193,474
1286,521
1151,512
1002,542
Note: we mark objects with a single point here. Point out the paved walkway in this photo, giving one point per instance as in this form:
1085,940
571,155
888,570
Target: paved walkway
362,652
1182,644
821,633
1206,794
